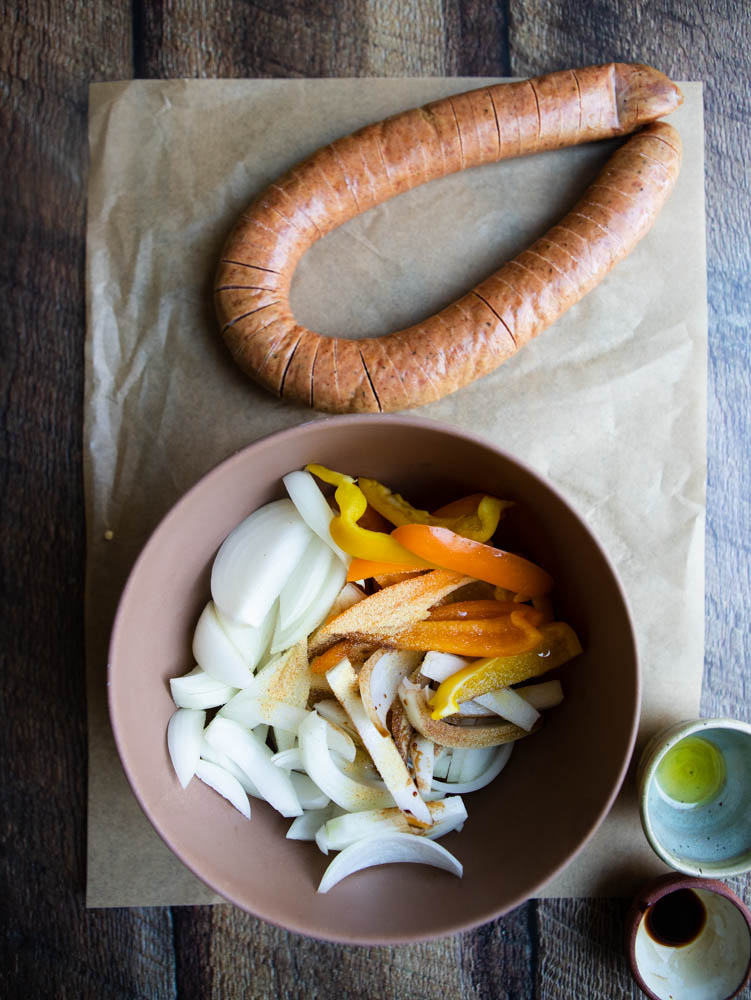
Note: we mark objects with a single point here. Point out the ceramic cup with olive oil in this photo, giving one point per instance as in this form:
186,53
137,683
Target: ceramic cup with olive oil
695,795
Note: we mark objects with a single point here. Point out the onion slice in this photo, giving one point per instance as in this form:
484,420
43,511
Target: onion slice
184,736
301,627
306,826
225,783
197,689
256,559
380,677
511,706
251,641
254,758
422,752
344,830
216,654
313,508
346,792
546,694
308,792
440,666
382,749
303,586
388,848
222,760
495,767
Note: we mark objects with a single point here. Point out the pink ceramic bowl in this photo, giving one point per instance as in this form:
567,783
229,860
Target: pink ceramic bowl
522,829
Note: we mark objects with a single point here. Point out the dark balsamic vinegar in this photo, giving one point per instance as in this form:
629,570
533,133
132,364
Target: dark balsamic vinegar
676,919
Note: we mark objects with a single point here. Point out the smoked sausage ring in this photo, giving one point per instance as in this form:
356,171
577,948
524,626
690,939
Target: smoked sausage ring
482,329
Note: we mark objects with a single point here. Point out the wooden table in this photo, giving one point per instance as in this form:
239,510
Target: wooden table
49,53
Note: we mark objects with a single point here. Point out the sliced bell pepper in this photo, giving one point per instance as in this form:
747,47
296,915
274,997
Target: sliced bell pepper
479,523
502,636
364,569
462,610
464,505
348,534
448,550
333,655
558,644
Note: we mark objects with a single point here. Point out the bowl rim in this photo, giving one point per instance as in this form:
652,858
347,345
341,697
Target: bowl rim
488,913
650,759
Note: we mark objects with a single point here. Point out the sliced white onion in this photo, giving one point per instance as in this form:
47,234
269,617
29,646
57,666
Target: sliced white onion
252,712
290,759
379,679
286,677
388,848
546,694
511,706
438,666
305,827
315,612
344,830
198,689
254,758
308,792
473,709
222,760
255,561
382,749
184,736
422,752
225,783
456,765
502,754
333,712
284,739
349,794
348,596
442,763
215,652
476,762
301,589
313,507
251,641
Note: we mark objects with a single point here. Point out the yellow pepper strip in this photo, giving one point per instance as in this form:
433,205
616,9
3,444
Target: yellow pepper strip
559,644
357,541
480,524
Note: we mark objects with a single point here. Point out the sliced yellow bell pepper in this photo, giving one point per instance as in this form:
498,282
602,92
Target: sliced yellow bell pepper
559,644
349,535
479,524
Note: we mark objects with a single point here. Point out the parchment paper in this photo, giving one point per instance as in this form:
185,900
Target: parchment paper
609,403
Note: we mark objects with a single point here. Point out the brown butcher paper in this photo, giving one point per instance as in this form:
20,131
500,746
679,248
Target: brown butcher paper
609,403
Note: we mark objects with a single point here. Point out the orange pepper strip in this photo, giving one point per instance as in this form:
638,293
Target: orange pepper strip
461,610
325,661
363,569
446,549
487,637
466,505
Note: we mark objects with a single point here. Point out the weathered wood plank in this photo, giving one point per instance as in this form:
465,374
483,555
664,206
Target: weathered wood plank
50,945
688,44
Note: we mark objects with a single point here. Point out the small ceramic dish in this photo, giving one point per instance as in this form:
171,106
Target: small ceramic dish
695,796
689,939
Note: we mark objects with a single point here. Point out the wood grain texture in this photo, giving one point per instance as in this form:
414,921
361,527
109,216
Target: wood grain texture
49,53
687,43
51,947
